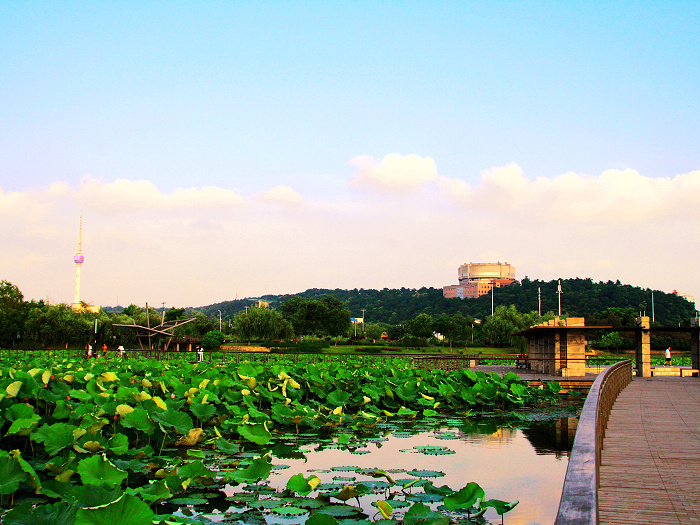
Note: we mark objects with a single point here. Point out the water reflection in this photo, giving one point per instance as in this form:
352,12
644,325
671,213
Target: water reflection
523,461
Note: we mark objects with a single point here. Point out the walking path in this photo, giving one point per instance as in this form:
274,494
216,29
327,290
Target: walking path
650,466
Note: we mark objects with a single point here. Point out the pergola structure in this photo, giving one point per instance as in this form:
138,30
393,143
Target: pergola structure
145,334
558,347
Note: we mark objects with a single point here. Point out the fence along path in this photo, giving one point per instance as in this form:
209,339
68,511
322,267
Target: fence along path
650,464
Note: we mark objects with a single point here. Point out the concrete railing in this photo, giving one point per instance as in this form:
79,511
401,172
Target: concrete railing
579,498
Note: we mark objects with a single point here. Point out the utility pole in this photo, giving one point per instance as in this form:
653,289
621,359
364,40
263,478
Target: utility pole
219,320
363,321
539,301
162,319
652,306
559,292
493,285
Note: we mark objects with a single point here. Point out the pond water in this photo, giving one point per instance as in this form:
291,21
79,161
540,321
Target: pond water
525,461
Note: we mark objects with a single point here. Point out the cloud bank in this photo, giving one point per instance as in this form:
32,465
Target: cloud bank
399,223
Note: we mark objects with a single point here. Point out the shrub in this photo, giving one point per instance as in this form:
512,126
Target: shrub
212,340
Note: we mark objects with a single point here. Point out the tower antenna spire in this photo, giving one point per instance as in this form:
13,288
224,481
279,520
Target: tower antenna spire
78,260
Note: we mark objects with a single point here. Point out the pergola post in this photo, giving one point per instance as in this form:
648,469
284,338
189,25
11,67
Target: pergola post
695,343
642,350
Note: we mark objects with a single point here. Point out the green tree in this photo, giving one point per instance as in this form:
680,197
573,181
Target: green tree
423,326
263,324
612,339
453,327
13,314
212,340
307,316
336,320
174,314
373,331
505,322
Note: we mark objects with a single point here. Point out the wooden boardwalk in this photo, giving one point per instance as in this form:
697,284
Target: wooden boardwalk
650,466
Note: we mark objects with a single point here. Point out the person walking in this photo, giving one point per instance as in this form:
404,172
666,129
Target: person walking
668,357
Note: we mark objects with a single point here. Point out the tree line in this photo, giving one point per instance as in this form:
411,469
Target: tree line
405,316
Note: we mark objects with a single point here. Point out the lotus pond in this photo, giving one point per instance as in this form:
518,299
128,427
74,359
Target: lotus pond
140,441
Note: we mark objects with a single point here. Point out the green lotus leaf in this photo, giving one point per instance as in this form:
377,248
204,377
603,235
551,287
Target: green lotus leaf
501,506
23,426
259,468
27,513
119,444
426,473
138,420
11,475
301,485
227,447
91,496
320,518
179,421
98,470
421,513
128,510
403,411
55,437
341,510
195,469
203,412
256,433
188,501
464,498
289,511
338,398
80,395
19,411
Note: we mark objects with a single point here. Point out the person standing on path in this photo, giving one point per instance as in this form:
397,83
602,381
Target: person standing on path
668,357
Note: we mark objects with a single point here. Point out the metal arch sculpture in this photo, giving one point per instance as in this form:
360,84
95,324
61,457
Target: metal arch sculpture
145,333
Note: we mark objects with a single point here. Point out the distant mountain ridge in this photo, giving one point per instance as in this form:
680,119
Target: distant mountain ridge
579,298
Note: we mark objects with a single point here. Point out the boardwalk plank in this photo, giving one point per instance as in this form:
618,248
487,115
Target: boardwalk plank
650,469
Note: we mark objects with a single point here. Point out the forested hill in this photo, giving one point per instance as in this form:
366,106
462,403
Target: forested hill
580,298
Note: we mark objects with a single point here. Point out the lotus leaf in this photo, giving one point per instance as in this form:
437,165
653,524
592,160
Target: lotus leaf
128,510
191,439
13,388
139,420
55,437
320,518
203,412
259,469
255,432
92,496
465,498
501,506
11,474
420,513
98,470
179,421
195,469
27,513
426,473
301,485
154,492
289,511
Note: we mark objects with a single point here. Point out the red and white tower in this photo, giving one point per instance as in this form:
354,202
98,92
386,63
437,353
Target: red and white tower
78,259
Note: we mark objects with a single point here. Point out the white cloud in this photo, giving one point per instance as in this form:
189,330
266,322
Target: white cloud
619,196
196,246
128,195
281,194
395,173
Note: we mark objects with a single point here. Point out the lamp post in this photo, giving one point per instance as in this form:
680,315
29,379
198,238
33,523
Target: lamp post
559,292
219,320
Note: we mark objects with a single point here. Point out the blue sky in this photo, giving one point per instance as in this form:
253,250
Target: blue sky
352,144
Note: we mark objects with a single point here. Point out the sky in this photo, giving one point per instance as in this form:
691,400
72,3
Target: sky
222,150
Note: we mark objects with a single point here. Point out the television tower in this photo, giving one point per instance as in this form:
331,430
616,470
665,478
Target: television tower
78,259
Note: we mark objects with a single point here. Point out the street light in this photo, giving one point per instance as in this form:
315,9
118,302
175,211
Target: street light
219,320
